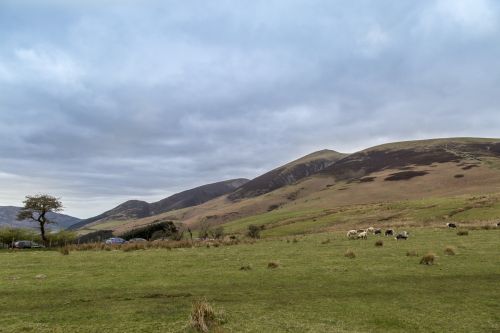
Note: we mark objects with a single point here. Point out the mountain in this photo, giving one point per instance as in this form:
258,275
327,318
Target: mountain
413,153
389,173
8,219
134,209
287,174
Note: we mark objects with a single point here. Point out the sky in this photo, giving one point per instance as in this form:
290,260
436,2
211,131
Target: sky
105,101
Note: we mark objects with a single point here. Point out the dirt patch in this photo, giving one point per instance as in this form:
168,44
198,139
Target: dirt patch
367,179
470,166
405,175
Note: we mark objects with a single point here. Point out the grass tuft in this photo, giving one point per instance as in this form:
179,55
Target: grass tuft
64,250
463,233
379,243
428,259
245,268
350,254
411,253
273,265
204,317
450,251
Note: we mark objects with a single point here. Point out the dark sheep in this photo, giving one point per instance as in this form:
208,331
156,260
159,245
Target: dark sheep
451,225
389,232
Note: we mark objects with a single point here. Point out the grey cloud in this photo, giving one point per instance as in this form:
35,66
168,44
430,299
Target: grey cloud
104,102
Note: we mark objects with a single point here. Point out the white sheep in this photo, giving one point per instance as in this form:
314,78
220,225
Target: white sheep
363,235
352,234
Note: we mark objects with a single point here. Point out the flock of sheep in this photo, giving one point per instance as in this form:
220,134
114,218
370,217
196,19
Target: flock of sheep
363,233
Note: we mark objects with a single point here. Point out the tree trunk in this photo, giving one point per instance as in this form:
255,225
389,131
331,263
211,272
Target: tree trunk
42,232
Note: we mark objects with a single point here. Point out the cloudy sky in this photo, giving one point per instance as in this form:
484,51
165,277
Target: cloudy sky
103,101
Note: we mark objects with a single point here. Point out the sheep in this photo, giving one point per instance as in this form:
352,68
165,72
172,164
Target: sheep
363,235
451,225
377,231
402,235
352,234
370,229
360,230
389,232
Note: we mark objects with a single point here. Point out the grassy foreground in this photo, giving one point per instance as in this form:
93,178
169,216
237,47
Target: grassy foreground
315,289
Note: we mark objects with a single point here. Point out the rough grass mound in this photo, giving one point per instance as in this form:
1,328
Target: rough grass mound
411,253
350,254
450,251
204,317
273,265
428,259
64,250
379,243
463,233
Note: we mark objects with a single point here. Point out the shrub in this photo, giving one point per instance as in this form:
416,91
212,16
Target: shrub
411,253
61,238
204,317
450,250
218,233
428,259
253,231
379,243
9,235
463,233
158,230
350,254
273,264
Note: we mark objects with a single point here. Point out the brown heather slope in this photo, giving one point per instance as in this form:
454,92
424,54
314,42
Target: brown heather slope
287,174
387,173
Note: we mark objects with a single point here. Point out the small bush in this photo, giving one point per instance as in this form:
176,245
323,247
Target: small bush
379,243
350,254
273,265
428,259
253,231
245,268
411,253
463,233
450,251
204,317
64,250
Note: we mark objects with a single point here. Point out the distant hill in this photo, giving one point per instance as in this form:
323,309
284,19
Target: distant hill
394,172
287,174
134,209
8,219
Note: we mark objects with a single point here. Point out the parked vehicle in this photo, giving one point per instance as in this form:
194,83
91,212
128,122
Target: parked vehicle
115,240
26,244
137,240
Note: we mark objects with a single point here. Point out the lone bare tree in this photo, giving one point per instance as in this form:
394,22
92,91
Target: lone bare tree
36,208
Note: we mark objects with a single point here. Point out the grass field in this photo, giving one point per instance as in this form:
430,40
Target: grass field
315,289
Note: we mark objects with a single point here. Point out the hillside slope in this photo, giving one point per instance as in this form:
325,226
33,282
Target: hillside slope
134,209
287,174
8,219
443,168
